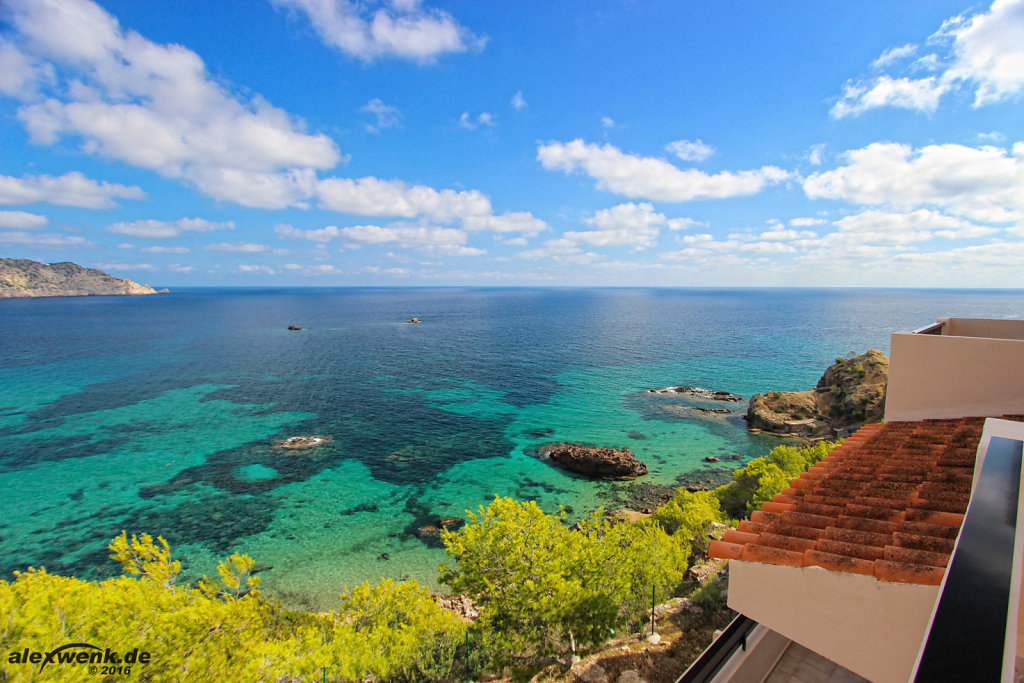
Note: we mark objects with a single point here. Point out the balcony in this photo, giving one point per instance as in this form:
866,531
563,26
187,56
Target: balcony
956,367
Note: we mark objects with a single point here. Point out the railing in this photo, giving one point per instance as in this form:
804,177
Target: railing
718,653
934,328
970,638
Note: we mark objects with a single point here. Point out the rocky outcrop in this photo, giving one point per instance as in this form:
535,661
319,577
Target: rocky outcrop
24,278
599,463
298,443
849,394
698,393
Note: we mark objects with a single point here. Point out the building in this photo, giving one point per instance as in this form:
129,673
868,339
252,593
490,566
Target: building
899,556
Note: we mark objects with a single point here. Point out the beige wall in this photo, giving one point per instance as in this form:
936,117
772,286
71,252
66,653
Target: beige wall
983,327
873,628
956,376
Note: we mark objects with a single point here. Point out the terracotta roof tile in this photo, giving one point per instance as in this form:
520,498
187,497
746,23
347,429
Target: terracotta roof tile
888,502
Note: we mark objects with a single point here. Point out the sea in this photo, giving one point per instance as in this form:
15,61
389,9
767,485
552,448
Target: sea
159,414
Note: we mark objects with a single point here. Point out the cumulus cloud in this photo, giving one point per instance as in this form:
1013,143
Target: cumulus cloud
152,105
522,222
163,250
22,220
244,247
314,270
649,177
386,116
400,28
920,94
893,55
690,150
983,54
983,184
70,189
806,222
375,197
46,240
154,229
518,102
258,269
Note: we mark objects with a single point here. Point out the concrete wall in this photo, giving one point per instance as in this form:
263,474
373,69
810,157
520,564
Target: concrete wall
873,628
983,327
956,376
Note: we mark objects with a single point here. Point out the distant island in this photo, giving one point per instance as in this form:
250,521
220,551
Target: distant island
24,278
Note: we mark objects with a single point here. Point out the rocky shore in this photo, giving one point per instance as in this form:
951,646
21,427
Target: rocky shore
850,394
21,278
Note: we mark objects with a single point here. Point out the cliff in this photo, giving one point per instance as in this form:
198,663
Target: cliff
849,394
24,278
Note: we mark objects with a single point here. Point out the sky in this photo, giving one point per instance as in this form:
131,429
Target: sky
578,143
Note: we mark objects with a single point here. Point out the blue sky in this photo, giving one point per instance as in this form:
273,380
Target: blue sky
597,142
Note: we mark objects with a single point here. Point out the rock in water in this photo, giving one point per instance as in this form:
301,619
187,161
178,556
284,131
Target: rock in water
849,394
24,278
297,443
600,463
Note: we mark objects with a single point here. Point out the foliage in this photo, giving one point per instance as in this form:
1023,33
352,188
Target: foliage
544,588
225,631
688,515
762,478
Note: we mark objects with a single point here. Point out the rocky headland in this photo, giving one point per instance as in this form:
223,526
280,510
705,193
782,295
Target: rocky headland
23,278
599,463
851,393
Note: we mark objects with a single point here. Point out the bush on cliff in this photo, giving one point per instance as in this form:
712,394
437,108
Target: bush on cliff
762,478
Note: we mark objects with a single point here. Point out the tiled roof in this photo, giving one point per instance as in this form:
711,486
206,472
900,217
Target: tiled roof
887,502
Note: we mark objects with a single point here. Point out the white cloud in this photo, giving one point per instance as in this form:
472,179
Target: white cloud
36,239
247,268
154,106
19,73
690,150
920,94
317,235
806,222
816,154
786,235
22,220
314,270
989,52
70,189
374,197
386,116
469,123
165,250
522,222
400,28
985,54
411,235
154,229
982,184
894,54
178,268
518,102
607,122
244,247
649,177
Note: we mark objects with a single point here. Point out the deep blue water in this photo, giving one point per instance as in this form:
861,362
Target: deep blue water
157,413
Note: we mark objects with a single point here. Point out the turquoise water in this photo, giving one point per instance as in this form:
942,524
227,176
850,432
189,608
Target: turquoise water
158,414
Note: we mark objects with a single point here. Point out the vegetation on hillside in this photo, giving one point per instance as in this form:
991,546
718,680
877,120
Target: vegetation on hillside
543,589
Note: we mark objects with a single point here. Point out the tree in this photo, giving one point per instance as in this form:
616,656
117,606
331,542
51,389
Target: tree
544,588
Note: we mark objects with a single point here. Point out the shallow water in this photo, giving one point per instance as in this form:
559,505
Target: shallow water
158,413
